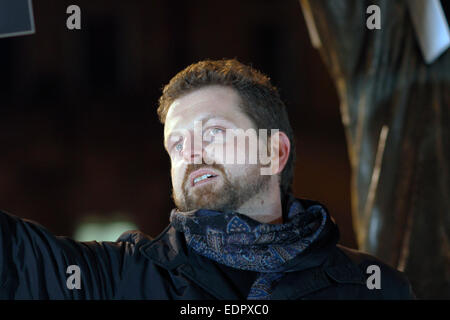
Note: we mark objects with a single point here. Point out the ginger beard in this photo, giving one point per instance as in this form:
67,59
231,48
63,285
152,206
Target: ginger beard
225,194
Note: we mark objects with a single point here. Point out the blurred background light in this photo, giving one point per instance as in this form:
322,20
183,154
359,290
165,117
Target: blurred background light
97,228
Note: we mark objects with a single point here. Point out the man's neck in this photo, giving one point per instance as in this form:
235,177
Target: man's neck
264,207
277,221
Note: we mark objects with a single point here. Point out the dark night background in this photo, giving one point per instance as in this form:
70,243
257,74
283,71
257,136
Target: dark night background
78,126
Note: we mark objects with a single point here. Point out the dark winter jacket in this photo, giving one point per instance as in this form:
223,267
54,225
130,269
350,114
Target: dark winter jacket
34,264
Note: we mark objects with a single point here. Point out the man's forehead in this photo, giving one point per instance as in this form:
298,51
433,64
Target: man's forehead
202,105
217,99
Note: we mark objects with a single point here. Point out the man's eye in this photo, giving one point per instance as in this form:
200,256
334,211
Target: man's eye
178,147
215,131
211,134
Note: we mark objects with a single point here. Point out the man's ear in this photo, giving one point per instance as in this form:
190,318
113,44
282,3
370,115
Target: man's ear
280,149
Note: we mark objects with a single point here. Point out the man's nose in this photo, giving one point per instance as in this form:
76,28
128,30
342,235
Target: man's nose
192,150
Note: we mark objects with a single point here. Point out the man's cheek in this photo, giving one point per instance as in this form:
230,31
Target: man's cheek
233,153
214,153
177,178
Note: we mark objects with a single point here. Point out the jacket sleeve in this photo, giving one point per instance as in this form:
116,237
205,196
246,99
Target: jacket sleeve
34,264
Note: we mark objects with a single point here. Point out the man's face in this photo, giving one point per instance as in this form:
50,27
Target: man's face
211,183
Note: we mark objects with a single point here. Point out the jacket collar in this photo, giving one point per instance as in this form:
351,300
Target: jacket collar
309,272
169,251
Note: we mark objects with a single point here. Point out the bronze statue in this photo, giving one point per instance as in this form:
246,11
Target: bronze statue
395,110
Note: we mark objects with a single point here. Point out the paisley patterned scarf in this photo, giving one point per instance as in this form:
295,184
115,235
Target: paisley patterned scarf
235,240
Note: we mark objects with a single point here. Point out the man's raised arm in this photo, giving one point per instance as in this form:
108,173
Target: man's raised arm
34,264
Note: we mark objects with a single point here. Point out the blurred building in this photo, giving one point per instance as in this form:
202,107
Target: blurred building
78,125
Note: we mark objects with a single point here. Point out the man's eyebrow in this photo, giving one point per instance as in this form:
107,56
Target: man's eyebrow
208,117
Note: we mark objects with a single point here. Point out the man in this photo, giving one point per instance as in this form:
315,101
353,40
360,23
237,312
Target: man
237,231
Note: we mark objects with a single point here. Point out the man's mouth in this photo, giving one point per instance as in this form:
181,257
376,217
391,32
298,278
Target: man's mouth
201,176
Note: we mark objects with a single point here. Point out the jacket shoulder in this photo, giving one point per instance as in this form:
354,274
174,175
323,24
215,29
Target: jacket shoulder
394,283
134,237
